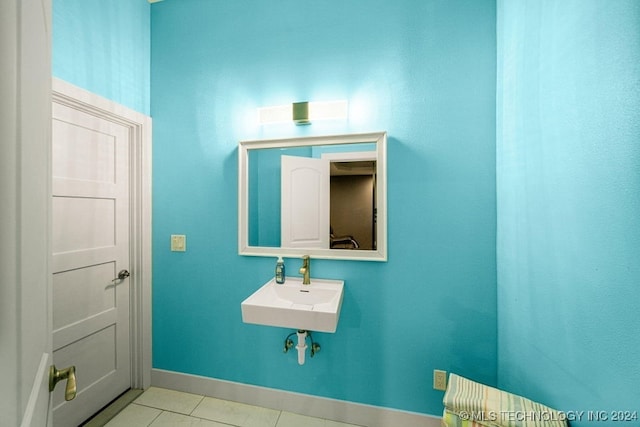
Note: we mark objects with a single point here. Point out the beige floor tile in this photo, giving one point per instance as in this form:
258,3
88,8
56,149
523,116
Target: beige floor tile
113,409
134,416
171,419
288,419
237,414
170,400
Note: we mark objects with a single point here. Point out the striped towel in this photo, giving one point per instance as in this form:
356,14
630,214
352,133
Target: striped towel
468,403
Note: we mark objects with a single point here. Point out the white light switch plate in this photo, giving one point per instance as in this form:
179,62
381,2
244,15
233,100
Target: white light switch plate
178,243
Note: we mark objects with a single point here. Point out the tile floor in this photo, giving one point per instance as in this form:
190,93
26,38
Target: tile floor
159,407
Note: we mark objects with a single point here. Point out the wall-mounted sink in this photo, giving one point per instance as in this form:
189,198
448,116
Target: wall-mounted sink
314,307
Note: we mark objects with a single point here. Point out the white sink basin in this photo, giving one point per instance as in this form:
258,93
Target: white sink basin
314,307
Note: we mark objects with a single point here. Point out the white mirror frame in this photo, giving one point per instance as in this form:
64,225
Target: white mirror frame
379,254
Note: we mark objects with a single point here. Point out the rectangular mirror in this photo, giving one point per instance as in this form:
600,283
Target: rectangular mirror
323,196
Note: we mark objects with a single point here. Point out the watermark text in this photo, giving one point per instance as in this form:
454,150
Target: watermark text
523,416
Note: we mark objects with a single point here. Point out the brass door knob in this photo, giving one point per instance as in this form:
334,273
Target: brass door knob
69,374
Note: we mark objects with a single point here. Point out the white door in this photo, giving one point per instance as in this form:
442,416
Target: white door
305,202
90,245
25,116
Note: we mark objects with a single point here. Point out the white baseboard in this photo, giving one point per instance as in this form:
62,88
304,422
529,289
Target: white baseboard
304,404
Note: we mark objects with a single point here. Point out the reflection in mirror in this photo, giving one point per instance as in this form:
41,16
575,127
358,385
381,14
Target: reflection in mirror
352,193
323,196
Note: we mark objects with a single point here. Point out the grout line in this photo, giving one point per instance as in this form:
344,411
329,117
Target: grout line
278,420
197,404
112,409
193,417
154,420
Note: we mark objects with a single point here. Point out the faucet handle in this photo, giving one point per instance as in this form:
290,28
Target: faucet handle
304,270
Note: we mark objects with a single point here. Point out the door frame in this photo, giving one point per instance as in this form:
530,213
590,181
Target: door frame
140,131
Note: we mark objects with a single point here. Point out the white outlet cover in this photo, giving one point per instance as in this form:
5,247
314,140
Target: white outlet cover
439,380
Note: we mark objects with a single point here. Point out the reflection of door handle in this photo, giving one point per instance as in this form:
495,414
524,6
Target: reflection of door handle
123,274
68,374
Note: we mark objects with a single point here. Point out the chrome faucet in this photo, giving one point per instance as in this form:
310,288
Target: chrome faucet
305,270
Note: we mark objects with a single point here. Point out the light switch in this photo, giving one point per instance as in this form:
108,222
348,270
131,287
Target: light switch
178,243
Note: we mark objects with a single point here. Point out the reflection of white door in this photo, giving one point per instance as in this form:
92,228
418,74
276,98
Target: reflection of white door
90,244
305,202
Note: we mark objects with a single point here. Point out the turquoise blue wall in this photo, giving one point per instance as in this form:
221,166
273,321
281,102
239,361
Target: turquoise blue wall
104,47
424,71
567,180
567,183
568,172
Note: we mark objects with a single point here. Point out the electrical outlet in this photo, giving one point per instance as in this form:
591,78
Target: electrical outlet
439,380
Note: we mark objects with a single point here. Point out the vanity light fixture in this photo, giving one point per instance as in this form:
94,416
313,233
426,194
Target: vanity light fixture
303,113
